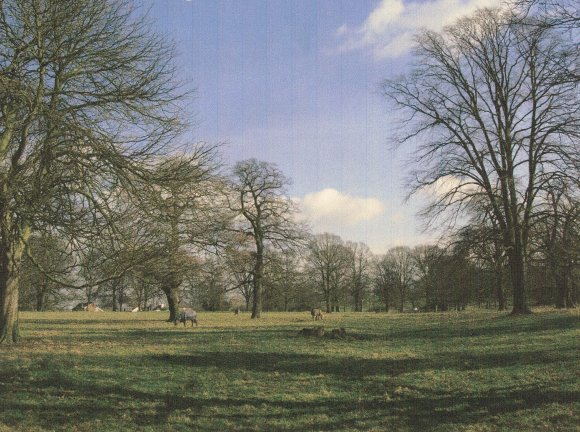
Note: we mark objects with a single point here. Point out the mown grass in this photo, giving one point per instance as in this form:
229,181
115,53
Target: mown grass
467,371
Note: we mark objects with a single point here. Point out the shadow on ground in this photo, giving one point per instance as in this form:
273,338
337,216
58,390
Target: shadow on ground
67,400
408,411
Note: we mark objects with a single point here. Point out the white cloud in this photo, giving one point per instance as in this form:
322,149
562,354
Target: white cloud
379,224
450,187
331,207
389,29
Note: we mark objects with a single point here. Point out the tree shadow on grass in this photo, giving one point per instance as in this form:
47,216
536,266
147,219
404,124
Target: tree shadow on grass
500,326
68,403
351,367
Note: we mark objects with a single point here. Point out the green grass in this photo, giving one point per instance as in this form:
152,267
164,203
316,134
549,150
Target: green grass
467,371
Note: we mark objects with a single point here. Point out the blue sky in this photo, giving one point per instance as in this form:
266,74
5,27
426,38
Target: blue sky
296,83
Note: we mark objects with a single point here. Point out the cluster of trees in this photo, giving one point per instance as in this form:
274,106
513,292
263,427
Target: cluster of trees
492,111
99,192
321,270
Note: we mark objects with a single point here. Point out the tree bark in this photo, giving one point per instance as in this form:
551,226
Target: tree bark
562,290
10,261
172,294
114,297
41,296
258,273
516,262
257,303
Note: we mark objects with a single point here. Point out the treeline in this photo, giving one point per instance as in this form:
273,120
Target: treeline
322,270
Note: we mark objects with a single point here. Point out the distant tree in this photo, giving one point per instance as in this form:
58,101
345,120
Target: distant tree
143,290
495,102
205,284
240,265
402,267
180,214
484,245
87,97
329,259
427,266
283,280
359,278
40,291
557,242
385,282
266,216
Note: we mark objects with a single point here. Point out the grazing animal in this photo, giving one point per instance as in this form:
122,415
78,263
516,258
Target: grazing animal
316,314
185,315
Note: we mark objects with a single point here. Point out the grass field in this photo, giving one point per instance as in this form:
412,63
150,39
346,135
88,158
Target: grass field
466,371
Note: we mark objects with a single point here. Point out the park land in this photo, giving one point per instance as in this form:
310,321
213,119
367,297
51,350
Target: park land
475,370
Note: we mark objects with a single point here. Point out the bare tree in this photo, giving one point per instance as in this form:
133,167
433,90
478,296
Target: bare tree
329,259
385,281
205,283
496,106
240,267
181,215
484,245
283,280
38,291
556,238
359,278
554,13
267,215
427,261
402,268
87,96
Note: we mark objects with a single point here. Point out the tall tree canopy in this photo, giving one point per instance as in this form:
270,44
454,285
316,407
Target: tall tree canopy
87,98
493,108
267,215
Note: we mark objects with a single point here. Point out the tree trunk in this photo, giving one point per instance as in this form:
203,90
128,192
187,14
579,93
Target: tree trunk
172,294
10,260
121,299
402,304
258,273
114,297
516,262
499,295
257,301
8,302
40,296
562,290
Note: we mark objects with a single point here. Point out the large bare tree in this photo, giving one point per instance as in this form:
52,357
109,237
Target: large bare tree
267,215
181,216
87,97
493,110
